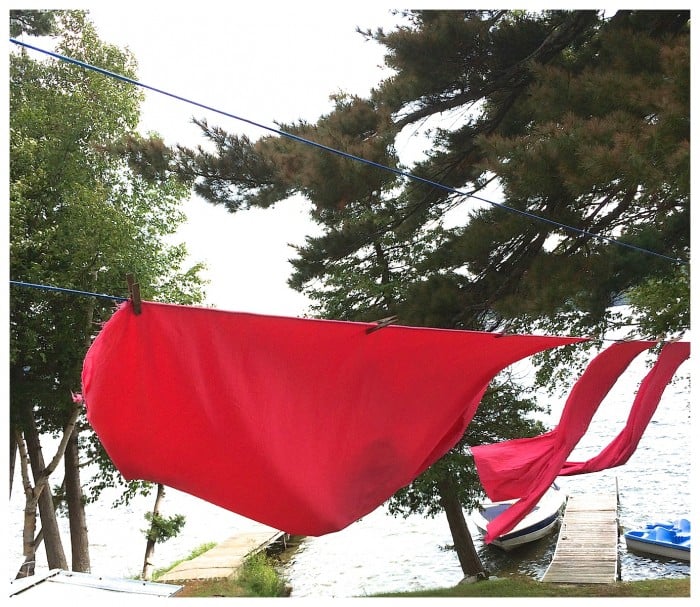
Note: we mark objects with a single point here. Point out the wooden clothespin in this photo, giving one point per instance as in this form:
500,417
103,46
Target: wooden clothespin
383,322
134,293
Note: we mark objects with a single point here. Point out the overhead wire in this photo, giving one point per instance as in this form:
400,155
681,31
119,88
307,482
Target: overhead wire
19,283
344,154
118,298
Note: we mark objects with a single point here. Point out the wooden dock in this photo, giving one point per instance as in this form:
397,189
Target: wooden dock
586,551
223,560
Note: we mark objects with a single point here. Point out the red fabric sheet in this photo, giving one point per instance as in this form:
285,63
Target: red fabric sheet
645,403
303,425
525,468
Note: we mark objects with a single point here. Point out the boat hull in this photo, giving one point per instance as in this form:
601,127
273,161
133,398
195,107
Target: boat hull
541,521
667,540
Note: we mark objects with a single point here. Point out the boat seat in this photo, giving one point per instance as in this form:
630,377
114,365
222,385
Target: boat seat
683,524
662,534
492,511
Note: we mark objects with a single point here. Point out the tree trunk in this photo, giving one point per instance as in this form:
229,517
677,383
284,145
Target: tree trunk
31,455
151,539
80,545
80,549
463,542
31,499
13,455
55,554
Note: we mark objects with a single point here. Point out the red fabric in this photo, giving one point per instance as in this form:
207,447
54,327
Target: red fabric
525,468
510,469
304,425
645,403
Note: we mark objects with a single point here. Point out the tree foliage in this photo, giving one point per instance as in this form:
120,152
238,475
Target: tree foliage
162,528
79,219
32,22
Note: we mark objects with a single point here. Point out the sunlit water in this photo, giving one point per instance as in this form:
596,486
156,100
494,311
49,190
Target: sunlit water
381,553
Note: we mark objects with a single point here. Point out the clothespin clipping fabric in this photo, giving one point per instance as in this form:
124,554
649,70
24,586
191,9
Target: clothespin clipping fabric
134,293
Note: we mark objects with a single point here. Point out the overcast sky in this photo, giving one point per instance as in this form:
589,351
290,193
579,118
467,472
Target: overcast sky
263,61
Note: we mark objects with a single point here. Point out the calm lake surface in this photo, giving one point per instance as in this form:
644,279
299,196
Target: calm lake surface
381,553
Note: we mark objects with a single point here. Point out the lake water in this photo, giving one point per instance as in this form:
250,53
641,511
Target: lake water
382,553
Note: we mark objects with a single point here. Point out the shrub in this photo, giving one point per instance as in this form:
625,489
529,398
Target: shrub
260,578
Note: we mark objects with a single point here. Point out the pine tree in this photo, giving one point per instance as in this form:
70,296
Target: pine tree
580,119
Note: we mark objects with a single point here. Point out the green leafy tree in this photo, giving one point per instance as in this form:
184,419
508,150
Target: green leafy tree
79,218
578,119
32,22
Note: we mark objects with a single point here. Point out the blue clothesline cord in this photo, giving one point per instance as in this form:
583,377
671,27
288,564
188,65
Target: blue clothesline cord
31,285
326,148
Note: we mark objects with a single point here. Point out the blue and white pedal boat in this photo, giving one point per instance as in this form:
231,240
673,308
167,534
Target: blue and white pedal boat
539,522
667,539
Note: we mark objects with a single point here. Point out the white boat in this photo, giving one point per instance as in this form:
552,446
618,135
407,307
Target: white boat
669,540
539,522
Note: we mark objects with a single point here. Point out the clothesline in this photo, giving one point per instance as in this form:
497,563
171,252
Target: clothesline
117,298
19,283
349,156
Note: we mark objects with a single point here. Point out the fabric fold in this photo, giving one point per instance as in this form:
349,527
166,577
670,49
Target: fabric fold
621,448
515,468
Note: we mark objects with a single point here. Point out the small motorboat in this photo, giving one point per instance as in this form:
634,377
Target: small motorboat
667,539
539,522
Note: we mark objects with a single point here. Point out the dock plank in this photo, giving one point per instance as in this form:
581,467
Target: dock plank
586,551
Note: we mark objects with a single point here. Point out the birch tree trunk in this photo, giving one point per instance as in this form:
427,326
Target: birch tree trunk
31,501
55,554
151,539
40,495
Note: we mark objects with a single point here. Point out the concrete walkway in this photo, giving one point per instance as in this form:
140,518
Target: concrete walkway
224,559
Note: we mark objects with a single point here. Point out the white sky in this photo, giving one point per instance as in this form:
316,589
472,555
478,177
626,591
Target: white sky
266,62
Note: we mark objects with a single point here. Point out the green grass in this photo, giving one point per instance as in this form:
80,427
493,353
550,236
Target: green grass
258,584
521,586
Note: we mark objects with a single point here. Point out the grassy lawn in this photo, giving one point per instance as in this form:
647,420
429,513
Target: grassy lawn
502,588
512,587
521,586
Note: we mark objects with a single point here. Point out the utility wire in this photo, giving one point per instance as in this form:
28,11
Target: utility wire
346,154
19,283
